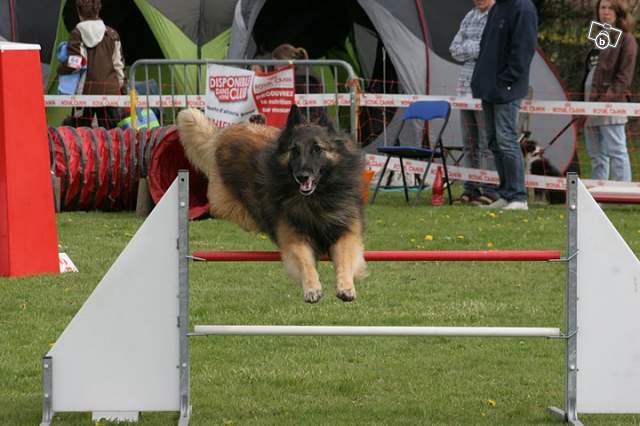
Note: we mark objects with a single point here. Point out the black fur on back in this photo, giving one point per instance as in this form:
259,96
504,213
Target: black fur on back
334,206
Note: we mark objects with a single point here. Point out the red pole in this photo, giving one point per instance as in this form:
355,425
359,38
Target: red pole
617,198
393,256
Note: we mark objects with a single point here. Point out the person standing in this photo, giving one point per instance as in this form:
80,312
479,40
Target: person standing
501,79
465,48
306,80
98,47
608,76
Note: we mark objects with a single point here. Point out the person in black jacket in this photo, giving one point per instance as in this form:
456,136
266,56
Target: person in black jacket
501,80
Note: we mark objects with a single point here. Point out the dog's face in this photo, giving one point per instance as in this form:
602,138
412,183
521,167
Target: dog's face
307,150
529,147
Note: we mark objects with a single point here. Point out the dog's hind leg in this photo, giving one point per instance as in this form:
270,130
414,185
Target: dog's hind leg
347,255
300,262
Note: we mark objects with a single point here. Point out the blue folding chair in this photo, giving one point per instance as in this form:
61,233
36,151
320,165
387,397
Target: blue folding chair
420,110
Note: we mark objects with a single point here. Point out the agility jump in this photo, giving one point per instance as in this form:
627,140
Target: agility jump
392,256
127,349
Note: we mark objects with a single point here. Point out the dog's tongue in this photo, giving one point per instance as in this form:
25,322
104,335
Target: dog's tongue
307,185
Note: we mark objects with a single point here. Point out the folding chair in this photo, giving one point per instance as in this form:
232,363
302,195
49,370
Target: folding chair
420,110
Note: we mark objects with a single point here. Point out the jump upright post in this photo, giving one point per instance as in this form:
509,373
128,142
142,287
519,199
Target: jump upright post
140,309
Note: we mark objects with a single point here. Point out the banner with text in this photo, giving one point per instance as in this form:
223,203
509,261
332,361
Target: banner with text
274,93
234,95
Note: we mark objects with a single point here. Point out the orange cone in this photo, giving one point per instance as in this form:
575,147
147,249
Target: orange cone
437,191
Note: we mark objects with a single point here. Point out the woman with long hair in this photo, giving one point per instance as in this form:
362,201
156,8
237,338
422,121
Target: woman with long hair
608,75
306,80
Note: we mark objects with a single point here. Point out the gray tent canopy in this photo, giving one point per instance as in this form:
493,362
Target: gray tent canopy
406,42
30,21
162,28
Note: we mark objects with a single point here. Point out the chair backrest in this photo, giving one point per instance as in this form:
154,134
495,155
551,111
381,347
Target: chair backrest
428,110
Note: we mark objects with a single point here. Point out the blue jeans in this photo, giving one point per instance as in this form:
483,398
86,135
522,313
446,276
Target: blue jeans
608,145
500,123
476,152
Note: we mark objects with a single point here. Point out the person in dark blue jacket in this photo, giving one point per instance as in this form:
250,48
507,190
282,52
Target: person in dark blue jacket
501,80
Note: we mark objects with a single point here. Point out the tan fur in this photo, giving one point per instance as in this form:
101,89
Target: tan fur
224,204
347,255
206,146
198,138
299,262
235,148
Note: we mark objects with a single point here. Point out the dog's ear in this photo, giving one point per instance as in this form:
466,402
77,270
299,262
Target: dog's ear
295,117
325,122
346,142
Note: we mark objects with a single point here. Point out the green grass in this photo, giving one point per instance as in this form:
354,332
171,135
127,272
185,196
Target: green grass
334,380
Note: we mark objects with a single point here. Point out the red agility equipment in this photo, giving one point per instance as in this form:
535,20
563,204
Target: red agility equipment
166,158
614,198
28,240
392,256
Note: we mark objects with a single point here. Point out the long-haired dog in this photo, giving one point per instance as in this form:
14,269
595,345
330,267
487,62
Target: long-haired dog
300,185
537,164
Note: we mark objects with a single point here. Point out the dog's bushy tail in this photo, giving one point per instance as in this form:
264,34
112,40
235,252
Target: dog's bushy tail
198,137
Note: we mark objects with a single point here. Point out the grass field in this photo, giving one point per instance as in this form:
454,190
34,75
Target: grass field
334,380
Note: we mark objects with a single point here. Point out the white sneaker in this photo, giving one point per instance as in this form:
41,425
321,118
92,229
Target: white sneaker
517,205
500,203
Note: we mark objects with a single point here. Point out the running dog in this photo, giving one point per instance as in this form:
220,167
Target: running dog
301,185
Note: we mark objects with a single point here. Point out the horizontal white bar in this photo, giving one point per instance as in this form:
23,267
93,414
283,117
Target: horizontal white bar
303,330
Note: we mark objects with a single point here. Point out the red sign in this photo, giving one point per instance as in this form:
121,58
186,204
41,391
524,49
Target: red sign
274,93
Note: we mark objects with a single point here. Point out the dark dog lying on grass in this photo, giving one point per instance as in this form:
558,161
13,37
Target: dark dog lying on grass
302,186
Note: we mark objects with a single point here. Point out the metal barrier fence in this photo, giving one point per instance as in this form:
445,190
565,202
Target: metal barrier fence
167,85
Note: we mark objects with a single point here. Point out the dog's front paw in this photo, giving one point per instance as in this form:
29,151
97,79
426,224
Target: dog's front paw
346,294
313,295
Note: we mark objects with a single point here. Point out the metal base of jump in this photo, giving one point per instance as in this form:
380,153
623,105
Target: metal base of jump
571,419
127,349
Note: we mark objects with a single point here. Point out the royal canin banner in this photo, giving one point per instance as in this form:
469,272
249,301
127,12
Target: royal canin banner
233,95
619,109
415,167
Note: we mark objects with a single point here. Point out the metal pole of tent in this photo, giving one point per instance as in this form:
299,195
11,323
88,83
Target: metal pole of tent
384,91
